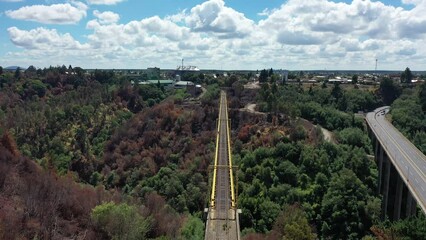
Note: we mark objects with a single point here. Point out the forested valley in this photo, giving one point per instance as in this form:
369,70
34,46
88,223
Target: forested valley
93,156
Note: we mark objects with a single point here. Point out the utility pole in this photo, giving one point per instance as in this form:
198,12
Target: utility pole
375,70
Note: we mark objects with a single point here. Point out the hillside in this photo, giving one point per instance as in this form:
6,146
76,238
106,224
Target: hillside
94,153
37,202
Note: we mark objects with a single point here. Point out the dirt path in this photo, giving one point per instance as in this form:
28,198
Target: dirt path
251,108
328,136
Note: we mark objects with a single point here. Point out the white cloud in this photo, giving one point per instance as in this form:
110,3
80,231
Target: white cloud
43,39
300,34
104,2
68,13
214,17
11,0
106,17
414,2
179,17
265,12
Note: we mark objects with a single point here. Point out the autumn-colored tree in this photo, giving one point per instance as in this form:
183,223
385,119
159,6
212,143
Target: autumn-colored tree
9,143
293,224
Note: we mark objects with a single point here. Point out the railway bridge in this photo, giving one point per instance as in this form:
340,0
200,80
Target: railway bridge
222,214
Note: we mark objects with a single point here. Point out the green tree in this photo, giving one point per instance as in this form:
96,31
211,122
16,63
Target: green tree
344,207
1,70
268,213
407,115
406,76
231,80
337,92
39,87
354,137
422,96
298,133
420,140
389,91
31,71
193,229
17,73
79,71
121,221
263,77
355,79
411,228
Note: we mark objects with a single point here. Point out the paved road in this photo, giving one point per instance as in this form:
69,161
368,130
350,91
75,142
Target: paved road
222,222
407,159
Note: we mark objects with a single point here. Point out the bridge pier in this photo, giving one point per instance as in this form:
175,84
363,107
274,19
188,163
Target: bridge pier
411,205
386,182
380,159
397,200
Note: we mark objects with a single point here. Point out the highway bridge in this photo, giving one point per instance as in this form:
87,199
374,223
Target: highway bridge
222,217
402,168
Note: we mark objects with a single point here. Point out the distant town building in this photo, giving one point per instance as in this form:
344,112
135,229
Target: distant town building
187,68
190,87
284,76
183,84
165,82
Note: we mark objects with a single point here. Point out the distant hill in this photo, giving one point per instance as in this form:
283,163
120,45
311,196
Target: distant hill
13,68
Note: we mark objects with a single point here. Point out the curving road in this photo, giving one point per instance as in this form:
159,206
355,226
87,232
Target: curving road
407,159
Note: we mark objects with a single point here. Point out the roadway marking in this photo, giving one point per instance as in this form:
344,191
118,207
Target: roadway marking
418,152
401,150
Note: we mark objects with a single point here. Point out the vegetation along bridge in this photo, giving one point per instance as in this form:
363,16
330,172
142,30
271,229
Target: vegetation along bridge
222,217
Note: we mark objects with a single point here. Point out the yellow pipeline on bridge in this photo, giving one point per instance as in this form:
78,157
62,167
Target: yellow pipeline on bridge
212,199
230,157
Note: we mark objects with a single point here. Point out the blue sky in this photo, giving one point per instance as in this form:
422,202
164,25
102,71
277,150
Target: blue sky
228,34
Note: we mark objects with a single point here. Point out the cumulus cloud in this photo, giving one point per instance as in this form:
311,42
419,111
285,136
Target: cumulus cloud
179,17
104,2
297,38
68,13
106,17
298,34
148,32
42,38
213,16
